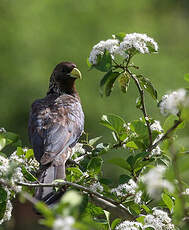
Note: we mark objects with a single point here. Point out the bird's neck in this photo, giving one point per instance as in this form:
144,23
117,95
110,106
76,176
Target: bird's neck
67,87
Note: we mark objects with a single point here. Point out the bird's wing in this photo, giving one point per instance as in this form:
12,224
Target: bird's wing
54,125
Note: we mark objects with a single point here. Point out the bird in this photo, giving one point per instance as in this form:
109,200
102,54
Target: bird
56,123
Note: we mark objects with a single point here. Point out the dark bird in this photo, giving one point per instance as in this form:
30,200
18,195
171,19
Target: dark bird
55,124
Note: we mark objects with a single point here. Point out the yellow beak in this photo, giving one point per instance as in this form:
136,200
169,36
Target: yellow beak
76,73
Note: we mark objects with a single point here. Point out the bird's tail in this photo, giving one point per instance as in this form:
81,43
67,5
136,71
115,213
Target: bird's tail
47,174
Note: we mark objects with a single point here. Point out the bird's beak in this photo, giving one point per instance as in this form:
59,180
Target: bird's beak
76,73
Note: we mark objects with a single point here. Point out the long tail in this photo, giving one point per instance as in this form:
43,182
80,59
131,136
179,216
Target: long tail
47,174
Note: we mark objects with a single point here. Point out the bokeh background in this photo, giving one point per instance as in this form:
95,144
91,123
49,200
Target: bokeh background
36,35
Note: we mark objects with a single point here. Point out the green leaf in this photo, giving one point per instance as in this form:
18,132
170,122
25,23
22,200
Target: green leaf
124,81
29,154
134,209
132,145
140,219
145,207
169,122
12,138
139,127
74,174
186,77
72,198
2,143
124,179
3,195
95,165
138,103
120,36
115,223
94,140
107,214
168,201
121,163
2,209
104,62
44,210
28,175
147,85
113,122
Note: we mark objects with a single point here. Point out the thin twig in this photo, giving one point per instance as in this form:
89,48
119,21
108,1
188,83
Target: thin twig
60,184
166,135
100,200
141,92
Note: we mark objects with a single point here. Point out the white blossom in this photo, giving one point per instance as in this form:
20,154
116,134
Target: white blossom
110,45
155,183
78,148
156,151
140,42
63,223
138,197
129,225
159,220
171,103
186,192
128,188
8,212
137,41
96,187
156,126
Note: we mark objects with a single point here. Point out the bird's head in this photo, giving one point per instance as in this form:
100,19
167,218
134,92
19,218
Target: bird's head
63,78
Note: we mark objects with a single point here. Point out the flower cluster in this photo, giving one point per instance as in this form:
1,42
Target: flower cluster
10,174
129,225
8,210
129,188
155,183
158,220
63,223
133,41
96,187
156,126
171,103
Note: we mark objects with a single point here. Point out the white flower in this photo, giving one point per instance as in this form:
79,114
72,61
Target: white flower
78,148
126,188
159,220
138,41
155,182
96,187
8,212
156,151
186,192
138,197
129,225
155,126
4,164
63,223
171,103
111,45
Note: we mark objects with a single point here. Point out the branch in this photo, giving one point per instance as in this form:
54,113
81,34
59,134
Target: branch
141,92
165,136
98,199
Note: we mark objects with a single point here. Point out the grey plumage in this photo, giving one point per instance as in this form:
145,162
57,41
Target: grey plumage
55,125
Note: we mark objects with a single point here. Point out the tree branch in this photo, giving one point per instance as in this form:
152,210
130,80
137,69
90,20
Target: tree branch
98,199
141,92
165,136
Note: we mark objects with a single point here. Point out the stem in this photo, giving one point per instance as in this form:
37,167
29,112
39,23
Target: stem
141,92
60,184
166,135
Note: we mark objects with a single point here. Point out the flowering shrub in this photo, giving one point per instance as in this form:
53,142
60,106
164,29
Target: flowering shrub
152,191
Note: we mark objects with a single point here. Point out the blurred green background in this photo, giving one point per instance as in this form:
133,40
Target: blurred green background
36,35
